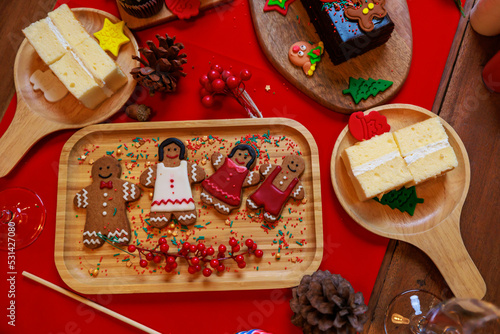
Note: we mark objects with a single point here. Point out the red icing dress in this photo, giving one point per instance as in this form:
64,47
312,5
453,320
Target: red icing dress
226,183
269,196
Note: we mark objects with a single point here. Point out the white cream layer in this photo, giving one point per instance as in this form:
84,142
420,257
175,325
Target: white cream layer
375,163
421,152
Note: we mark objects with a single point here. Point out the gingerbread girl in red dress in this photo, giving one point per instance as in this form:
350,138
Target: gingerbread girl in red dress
280,184
224,188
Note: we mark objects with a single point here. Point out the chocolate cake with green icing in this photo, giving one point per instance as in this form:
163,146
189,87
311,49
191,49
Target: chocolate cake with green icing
344,38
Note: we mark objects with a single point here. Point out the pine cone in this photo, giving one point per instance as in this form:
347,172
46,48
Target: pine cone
324,303
162,66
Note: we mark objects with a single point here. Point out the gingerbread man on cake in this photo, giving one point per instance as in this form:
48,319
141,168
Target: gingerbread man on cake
306,55
172,178
280,184
106,203
224,188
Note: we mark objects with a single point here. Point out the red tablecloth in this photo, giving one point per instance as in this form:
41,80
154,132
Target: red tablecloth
350,250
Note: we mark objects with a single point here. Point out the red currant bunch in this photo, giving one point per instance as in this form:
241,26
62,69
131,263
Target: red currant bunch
220,81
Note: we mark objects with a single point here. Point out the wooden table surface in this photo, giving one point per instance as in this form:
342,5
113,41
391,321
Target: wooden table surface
462,100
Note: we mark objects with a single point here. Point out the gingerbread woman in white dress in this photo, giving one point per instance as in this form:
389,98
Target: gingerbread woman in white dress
172,178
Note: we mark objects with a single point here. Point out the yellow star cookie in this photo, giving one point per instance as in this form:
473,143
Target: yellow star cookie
111,36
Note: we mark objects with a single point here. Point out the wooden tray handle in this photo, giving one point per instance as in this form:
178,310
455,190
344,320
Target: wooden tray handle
23,132
444,245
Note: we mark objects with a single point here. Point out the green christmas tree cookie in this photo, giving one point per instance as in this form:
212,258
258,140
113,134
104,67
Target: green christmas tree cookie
361,89
404,199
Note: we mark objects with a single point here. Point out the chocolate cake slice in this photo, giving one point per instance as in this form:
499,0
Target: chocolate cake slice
343,38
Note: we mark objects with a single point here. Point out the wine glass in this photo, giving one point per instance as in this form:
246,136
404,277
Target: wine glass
420,312
22,217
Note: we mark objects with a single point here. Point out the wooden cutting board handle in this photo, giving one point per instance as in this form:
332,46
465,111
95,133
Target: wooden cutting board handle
24,131
444,245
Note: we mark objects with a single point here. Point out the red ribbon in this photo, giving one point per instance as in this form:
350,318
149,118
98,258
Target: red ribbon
106,185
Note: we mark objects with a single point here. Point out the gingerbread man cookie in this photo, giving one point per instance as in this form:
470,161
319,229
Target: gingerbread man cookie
365,11
106,203
280,184
172,178
306,55
224,188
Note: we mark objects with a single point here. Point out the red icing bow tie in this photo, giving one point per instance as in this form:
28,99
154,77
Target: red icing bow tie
106,184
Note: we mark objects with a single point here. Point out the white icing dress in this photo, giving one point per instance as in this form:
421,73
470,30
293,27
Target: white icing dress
172,189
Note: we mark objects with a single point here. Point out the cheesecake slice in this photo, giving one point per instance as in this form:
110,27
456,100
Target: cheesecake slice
426,149
376,166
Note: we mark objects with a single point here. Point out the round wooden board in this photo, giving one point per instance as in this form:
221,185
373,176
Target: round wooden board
36,117
391,61
435,225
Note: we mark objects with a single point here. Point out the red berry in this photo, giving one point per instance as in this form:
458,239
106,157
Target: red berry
212,75
204,92
245,75
236,248
233,242
149,256
217,68
191,270
204,80
195,260
131,248
207,101
197,267
221,268
210,250
239,258
157,259
259,253
174,265
208,88
232,82
204,253
226,74
254,247
143,263
249,243
201,247
218,85
186,245
193,248
222,248
214,263
207,272
170,259
162,241
242,264
164,248
168,268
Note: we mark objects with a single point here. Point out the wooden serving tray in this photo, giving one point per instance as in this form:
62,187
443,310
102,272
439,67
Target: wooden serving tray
435,225
391,61
164,15
301,226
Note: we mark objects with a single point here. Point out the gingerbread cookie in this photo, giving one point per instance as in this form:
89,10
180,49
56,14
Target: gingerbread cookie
53,89
105,200
280,184
224,188
172,178
306,55
365,11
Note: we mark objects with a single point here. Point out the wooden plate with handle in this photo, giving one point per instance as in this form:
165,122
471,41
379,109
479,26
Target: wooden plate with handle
435,226
35,117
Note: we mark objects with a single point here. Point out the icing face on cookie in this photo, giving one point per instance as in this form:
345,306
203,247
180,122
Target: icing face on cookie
294,165
105,168
243,155
171,151
298,53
